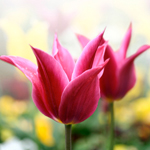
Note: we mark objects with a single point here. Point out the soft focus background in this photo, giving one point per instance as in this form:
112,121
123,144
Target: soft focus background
34,22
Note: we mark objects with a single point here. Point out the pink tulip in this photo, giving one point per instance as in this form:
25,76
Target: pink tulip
62,90
119,75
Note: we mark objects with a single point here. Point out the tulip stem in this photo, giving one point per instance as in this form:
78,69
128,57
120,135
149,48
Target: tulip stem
68,137
111,138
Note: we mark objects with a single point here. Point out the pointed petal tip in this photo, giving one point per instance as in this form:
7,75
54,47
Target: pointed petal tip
2,57
30,45
102,33
55,36
33,49
103,64
148,46
143,48
56,39
130,26
104,30
55,33
106,61
77,34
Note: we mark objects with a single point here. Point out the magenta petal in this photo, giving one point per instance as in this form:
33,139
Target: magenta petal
126,80
86,59
53,80
140,51
80,98
82,39
30,70
99,56
127,73
121,54
109,79
63,57
38,99
26,66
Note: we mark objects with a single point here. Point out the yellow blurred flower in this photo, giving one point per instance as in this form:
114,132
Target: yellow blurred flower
18,41
6,134
44,130
124,147
11,108
124,116
141,109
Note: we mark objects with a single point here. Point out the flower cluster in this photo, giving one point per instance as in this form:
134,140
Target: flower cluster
68,92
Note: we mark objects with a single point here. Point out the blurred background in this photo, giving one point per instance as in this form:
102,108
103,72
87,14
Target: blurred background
24,22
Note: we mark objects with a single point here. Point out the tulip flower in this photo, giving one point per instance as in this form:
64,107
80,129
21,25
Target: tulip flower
62,90
119,75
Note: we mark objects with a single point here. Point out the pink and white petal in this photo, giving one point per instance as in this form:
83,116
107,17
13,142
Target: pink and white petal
86,59
82,39
30,70
53,80
63,57
121,54
26,66
109,79
80,98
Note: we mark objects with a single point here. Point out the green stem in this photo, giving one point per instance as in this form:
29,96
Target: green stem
111,138
68,137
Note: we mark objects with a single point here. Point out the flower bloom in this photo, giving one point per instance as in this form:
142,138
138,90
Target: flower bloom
119,75
62,90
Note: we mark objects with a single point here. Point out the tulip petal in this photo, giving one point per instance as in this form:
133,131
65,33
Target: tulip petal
80,98
30,70
86,59
63,57
127,73
37,96
26,66
53,80
108,81
126,80
139,51
99,57
121,54
82,39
